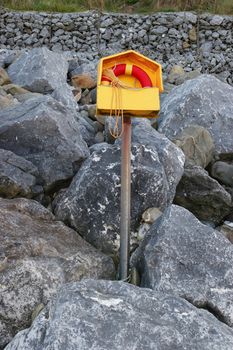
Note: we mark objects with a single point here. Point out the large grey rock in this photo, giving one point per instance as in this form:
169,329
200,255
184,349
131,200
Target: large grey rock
203,101
190,260
25,97
87,68
92,202
7,57
169,154
47,134
87,129
39,70
197,145
203,196
223,172
18,177
37,255
64,94
103,315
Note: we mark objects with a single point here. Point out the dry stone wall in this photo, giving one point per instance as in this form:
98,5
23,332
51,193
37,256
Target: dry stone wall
196,42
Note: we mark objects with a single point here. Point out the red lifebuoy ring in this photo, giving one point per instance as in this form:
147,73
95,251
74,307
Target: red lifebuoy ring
135,71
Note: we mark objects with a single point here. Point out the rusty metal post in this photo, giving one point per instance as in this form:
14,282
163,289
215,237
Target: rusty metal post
125,198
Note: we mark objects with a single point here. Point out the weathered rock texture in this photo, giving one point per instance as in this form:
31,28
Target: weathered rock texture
43,71
6,101
223,172
37,255
39,70
18,177
101,315
194,41
190,260
63,94
203,196
92,202
197,145
170,155
18,94
47,134
203,101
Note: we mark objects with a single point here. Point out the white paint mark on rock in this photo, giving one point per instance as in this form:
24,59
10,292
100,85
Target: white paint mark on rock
95,158
107,302
101,208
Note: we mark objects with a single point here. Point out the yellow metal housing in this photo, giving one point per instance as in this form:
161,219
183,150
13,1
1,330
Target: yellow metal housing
135,100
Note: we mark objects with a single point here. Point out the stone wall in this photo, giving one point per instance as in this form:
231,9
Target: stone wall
196,42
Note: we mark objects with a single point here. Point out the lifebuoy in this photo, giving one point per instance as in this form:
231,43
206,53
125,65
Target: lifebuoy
129,69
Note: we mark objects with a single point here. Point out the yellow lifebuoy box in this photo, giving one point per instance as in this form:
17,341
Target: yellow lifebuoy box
129,83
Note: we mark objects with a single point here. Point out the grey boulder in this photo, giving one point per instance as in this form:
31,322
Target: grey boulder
39,70
204,101
37,255
87,129
203,195
18,177
7,57
197,145
63,94
25,97
44,71
103,315
170,156
91,204
47,134
223,172
191,260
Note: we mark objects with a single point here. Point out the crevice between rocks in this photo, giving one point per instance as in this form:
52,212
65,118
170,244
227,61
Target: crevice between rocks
210,308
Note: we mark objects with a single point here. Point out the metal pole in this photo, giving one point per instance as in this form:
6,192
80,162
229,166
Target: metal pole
125,198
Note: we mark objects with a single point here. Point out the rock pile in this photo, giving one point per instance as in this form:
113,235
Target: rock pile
204,101
185,258
193,41
92,202
40,255
131,318
59,214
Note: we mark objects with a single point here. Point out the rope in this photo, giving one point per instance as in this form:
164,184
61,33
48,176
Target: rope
127,279
118,112
117,85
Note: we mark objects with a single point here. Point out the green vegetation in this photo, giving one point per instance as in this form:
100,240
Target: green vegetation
46,5
131,6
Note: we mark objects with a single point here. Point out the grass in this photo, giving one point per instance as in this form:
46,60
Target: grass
131,6
46,5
